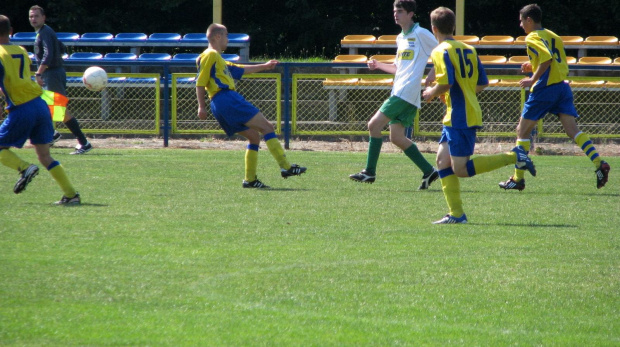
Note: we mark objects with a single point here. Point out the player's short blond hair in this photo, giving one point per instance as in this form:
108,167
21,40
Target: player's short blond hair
215,29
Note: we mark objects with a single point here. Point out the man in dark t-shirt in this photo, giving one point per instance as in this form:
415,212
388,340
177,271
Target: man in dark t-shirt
51,74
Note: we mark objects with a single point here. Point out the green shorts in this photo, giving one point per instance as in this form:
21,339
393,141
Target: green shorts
399,111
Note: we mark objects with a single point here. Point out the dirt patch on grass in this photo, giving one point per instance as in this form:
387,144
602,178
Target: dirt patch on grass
485,146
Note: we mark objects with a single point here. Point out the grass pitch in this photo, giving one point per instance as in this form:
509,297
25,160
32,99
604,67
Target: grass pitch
168,249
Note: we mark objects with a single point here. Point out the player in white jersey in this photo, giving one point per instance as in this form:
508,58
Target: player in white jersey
415,45
414,48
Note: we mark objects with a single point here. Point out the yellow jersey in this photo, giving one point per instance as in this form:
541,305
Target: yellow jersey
215,73
543,45
15,78
457,64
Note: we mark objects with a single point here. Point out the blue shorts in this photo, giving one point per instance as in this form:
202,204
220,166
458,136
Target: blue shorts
55,80
460,141
556,98
232,111
31,120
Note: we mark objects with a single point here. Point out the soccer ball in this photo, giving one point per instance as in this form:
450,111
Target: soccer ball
95,78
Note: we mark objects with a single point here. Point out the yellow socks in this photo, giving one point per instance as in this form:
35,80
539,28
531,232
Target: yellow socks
10,159
59,175
276,150
452,191
583,141
488,163
251,162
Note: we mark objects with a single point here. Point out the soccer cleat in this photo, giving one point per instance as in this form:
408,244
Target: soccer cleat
79,149
428,179
255,184
448,219
27,176
512,184
295,170
69,201
602,174
363,177
55,137
523,161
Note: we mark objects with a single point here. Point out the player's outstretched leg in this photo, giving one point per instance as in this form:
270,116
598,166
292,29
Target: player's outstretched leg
524,161
26,176
275,148
602,174
26,170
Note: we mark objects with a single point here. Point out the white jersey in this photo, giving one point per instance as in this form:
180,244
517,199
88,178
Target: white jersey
414,48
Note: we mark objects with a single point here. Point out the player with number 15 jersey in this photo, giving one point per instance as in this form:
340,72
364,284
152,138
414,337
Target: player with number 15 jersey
458,65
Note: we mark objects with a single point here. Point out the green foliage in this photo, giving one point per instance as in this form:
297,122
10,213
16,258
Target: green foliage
288,27
168,249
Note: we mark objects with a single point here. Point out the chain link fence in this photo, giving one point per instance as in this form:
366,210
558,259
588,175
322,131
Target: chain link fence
322,104
262,90
129,104
336,104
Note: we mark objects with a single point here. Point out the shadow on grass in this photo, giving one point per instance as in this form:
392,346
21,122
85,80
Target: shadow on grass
283,189
84,204
530,224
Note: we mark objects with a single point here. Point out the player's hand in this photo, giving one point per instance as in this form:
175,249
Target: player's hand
526,82
372,64
271,64
526,67
427,94
202,113
39,80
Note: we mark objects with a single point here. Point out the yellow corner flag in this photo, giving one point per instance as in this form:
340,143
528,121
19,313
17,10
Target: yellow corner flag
57,104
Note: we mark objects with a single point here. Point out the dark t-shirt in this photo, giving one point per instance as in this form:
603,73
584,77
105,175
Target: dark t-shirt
48,48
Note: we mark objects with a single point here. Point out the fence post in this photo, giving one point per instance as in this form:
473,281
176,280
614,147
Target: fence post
166,125
287,105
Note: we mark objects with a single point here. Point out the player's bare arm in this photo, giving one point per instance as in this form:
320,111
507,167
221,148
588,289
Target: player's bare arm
200,95
529,81
374,64
439,89
249,69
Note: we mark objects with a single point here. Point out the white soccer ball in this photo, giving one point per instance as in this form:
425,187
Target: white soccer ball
95,78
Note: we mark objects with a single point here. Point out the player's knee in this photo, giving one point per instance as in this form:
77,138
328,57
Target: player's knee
460,171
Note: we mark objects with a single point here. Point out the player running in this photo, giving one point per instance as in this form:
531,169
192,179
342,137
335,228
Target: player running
29,118
459,76
549,93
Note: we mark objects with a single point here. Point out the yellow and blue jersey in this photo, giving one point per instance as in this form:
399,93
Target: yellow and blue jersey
457,64
215,73
15,79
543,45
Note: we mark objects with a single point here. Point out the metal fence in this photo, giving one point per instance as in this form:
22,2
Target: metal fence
336,104
129,104
262,90
316,104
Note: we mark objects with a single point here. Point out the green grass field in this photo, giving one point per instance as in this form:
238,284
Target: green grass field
168,249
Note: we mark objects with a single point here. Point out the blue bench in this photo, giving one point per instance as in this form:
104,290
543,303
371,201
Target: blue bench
137,40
